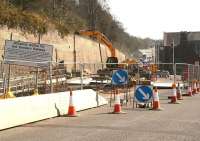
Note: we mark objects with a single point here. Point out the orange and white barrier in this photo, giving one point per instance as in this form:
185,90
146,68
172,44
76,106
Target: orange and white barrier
156,100
179,93
71,108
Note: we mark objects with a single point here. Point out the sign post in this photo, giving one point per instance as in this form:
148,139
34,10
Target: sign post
119,78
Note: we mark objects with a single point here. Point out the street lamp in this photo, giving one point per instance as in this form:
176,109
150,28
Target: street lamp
174,65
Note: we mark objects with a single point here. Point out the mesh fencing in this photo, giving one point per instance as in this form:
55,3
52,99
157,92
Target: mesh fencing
23,80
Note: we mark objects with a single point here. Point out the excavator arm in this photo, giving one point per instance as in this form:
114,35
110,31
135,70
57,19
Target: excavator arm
100,37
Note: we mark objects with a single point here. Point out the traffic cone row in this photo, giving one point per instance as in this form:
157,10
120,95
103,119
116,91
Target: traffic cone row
176,95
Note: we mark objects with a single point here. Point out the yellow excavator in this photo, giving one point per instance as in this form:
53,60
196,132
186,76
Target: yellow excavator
112,61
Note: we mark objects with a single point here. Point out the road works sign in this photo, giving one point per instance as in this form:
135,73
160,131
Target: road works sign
143,94
120,77
27,54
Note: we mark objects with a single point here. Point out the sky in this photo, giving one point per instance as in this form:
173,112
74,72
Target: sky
150,18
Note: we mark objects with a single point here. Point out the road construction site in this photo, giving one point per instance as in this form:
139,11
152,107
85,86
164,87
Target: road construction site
122,99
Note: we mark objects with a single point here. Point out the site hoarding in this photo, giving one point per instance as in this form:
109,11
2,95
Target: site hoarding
27,53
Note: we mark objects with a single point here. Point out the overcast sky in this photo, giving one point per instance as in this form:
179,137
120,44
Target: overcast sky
150,18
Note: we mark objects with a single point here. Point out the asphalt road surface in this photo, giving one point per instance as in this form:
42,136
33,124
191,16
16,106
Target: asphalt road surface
177,122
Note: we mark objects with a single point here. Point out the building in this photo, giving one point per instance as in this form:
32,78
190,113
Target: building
186,47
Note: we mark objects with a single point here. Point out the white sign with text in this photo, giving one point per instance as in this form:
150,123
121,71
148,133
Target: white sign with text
27,54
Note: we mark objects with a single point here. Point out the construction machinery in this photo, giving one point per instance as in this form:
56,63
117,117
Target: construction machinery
112,61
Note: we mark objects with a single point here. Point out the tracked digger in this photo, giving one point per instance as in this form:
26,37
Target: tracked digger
112,62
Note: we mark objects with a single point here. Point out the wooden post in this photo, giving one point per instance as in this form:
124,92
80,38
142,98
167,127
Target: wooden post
81,67
36,79
100,55
50,75
8,77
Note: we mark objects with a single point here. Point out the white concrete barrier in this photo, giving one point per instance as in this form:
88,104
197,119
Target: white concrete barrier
22,110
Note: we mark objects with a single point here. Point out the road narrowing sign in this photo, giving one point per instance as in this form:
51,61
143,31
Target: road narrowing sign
120,77
143,94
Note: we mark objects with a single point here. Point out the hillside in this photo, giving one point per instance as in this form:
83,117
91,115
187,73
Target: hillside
87,50
67,16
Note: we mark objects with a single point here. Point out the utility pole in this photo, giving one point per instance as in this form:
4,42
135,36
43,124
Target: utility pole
173,60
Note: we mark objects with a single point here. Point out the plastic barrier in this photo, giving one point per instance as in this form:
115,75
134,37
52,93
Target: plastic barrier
22,110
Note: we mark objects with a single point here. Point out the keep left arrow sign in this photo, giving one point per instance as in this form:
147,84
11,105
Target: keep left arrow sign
146,96
122,79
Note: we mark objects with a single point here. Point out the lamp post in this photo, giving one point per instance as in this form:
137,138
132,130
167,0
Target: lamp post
174,65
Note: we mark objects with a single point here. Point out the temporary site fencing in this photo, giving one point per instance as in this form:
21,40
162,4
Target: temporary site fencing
58,76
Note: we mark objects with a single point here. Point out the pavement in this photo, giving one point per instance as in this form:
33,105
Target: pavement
176,122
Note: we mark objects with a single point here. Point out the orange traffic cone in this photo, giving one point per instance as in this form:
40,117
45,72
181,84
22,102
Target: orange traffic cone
71,108
156,101
117,105
179,93
194,88
198,89
174,97
189,91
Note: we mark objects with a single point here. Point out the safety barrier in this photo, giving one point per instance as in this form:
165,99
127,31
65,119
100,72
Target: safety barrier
22,110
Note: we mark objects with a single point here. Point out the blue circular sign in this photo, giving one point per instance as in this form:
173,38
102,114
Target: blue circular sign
120,77
143,94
